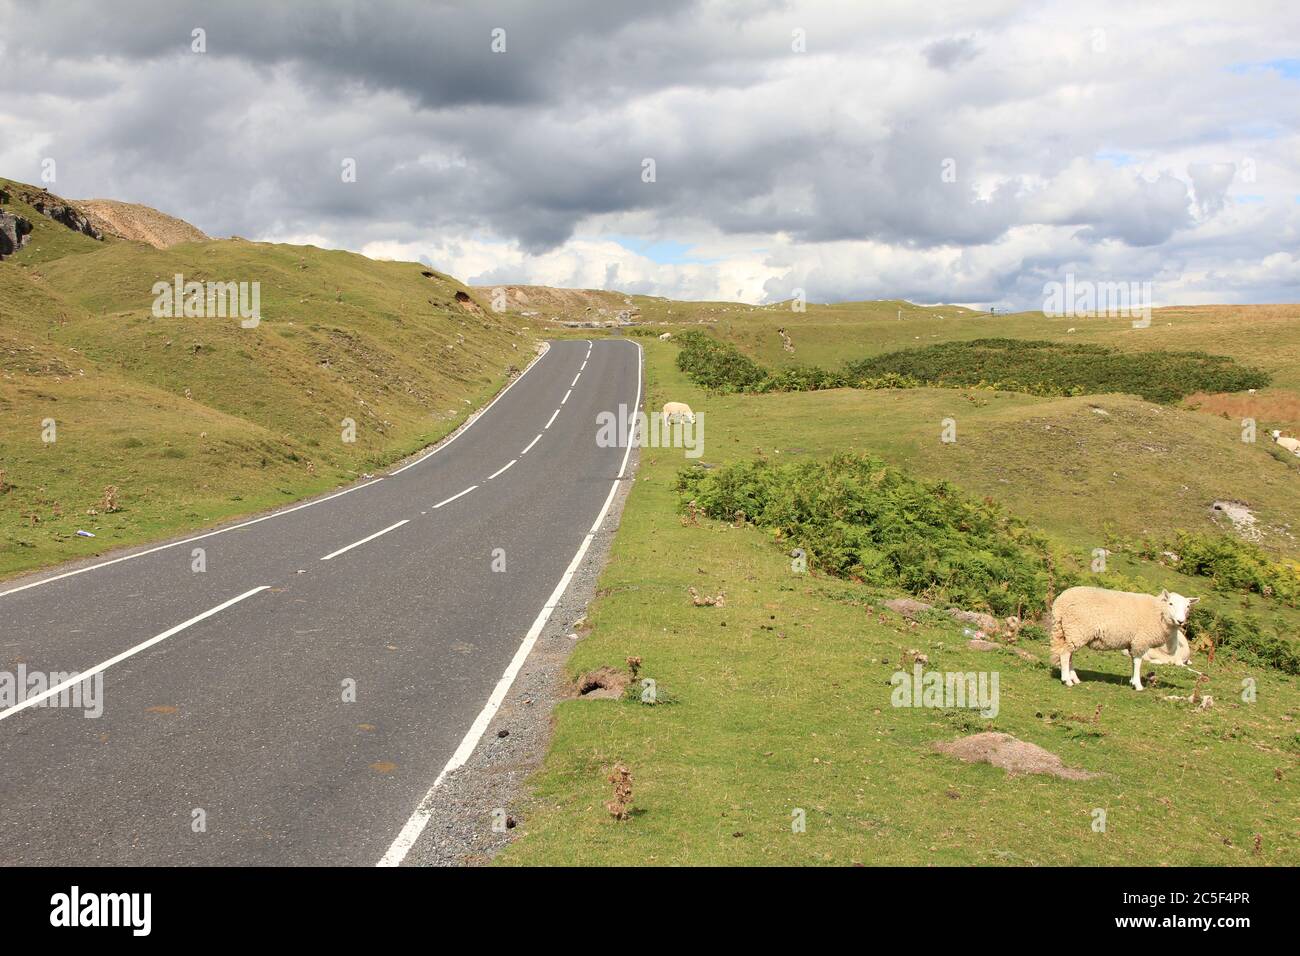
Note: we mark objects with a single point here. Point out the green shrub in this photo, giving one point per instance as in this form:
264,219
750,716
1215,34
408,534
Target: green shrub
859,518
1231,564
1013,365
1245,638
715,365
1061,368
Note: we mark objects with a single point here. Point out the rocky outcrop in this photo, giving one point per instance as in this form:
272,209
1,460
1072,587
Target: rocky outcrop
60,211
14,231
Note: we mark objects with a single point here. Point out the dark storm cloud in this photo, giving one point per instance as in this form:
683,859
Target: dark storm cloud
851,141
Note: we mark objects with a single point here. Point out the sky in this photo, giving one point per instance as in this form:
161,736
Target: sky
738,149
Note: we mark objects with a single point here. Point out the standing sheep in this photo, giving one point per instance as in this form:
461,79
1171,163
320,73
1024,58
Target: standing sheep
1115,621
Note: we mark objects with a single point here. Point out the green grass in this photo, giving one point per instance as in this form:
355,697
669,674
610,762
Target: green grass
781,699
196,420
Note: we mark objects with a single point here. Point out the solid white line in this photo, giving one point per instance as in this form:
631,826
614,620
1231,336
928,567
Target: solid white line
548,424
575,379
335,554
532,443
566,396
420,818
177,544
59,688
285,511
499,470
455,496
470,421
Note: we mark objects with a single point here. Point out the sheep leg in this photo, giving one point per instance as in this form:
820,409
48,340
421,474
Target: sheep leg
1137,672
1068,677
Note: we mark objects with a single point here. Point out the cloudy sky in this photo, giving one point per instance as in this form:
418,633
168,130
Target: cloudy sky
957,152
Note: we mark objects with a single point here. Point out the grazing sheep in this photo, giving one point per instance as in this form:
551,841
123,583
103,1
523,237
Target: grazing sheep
676,411
665,337
1115,621
1290,444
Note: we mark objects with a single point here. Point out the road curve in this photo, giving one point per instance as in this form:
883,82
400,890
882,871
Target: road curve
225,737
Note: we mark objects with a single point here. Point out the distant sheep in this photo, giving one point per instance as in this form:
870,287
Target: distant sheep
1290,444
676,411
665,337
1115,621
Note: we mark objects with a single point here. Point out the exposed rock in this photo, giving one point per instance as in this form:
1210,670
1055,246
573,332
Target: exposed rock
908,607
60,211
14,232
977,644
985,622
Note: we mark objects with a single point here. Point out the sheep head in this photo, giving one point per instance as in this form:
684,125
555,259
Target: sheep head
1175,611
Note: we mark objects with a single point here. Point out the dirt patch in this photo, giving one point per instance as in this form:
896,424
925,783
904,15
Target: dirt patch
605,683
138,223
1243,521
1014,756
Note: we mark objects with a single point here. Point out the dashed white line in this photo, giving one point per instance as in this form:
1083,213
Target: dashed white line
197,537
371,537
459,494
532,443
83,675
501,469
581,367
548,424
474,418
566,396
575,379
418,820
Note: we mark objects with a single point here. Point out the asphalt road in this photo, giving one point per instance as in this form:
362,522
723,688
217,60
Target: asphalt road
238,720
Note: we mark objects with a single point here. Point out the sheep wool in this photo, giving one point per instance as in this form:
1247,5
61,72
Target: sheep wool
1108,620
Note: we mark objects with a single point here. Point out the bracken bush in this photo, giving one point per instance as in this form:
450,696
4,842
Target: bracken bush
858,517
1231,564
1015,365
1064,368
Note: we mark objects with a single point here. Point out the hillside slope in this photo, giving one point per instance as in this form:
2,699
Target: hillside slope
194,419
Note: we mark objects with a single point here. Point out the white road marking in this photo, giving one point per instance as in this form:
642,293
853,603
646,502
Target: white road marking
455,496
70,682
372,537
566,396
583,366
575,379
499,470
420,818
548,424
532,443
465,427
200,537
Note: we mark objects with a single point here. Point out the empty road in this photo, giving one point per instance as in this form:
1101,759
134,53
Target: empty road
294,702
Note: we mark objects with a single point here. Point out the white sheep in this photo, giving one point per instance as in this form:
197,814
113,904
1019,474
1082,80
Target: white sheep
676,411
665,337
1180,657
1290,444
1115,621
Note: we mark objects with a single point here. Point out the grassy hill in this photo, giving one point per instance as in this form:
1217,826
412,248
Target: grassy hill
780,700
194,420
